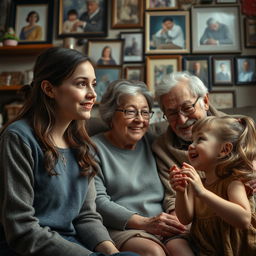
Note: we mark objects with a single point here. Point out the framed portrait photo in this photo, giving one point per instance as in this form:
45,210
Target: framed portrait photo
80,19
107,52
127,13
245,69
32,21
161,5
134,73
216,29
199,66
250,32
159,66
167,32
222,99
133,46
223,71
104,76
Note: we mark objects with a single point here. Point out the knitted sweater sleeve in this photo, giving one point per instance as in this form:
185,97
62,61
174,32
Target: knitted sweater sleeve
21,228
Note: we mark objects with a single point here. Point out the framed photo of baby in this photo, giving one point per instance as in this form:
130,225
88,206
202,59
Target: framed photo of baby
216,29
82,18
32,21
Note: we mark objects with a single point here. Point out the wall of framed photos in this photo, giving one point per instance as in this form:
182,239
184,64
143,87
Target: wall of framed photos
141,50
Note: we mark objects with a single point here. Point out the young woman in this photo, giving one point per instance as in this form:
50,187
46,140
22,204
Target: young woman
47,192
220,207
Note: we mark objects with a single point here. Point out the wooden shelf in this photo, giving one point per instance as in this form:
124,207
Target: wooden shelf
10,87
23,49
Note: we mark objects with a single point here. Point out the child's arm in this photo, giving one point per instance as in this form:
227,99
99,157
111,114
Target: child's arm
236,211
184,196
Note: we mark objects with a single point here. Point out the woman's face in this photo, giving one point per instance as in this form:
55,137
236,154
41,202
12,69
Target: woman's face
129,131
33,18
107,52
76,96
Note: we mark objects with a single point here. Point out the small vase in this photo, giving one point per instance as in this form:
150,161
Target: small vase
10,42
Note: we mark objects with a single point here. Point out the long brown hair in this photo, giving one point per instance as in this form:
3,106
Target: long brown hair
56,65
240,131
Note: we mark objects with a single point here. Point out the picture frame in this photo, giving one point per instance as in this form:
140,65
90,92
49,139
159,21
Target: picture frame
160,5
134,73
106,75
223,99
245,67
111,48
199,66
127,14
159,42
133,46
158,66
22,14
223,70
216,29
250,32
75,21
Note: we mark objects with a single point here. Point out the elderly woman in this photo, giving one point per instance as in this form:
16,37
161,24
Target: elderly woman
129,191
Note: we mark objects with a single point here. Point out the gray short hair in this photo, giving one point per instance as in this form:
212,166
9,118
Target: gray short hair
115,90
211,21
195,85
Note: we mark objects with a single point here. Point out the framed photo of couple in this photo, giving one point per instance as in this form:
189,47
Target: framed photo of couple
32,21
82,19
216,29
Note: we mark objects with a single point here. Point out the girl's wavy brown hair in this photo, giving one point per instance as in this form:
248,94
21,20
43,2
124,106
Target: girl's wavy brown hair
240,131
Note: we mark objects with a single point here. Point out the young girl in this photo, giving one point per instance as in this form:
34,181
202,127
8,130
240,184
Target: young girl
47,192
220,207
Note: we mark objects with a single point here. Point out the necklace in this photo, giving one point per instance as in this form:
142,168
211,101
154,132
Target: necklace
63,159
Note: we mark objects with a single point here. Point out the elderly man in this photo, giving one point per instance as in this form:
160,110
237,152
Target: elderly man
92,19
216,33
183,99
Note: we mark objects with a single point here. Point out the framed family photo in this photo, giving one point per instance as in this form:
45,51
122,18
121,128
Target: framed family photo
134,73
159,66
133,46
127,13
32,21
199,66
82,19
223,72
245,69
216,29
167,32
161,5
223,99
105,75
107,52
250,32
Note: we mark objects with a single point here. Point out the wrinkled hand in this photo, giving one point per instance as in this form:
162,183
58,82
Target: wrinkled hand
211,41
176,179
165,225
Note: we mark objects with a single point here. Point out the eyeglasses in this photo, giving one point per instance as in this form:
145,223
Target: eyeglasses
133,113
185,110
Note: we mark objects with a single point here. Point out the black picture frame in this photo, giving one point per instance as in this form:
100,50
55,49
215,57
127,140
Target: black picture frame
189,63
96,27
248,77
133,46
22,10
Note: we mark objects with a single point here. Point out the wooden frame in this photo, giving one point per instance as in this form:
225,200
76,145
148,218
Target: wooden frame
250,32
245,67
157,41
223,99
22,12
199,66
226,1
159,5
223,71
105,75
216,29
94,27
96,49
127,14
133,46
134,73
158,66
